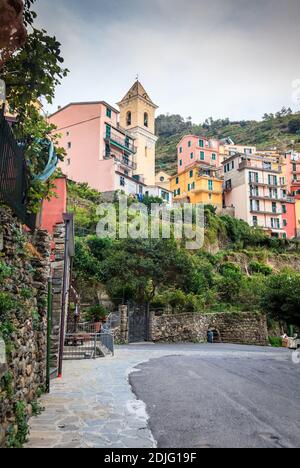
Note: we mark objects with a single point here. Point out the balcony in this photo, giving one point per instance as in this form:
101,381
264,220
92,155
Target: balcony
123,143
264,212
261,183
122,159
267,198
247,165
206,190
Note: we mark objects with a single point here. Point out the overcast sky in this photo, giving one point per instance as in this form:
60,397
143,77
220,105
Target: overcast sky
219,58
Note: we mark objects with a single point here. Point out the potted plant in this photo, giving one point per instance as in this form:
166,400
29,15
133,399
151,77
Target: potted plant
96,314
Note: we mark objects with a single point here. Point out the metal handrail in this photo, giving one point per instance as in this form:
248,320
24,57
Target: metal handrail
122,142
122,159
14,176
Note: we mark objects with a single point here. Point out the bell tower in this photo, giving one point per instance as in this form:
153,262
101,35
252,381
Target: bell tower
137,115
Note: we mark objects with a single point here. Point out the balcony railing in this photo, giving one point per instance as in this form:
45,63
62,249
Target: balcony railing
266,183
268,198
266,212
124,160
115,139
14,178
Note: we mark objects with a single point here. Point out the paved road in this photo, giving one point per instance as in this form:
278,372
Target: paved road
196,395
228,396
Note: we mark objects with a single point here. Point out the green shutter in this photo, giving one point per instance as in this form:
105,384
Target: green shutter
202,156
108,131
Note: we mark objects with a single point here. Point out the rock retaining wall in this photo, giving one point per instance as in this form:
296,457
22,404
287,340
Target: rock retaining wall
23,311
244,328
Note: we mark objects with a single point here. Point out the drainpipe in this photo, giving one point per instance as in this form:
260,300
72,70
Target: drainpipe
64,296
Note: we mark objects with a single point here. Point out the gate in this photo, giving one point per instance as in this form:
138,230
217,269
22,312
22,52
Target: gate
138,322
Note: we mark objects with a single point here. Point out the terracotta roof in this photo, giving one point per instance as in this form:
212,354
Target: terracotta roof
88,103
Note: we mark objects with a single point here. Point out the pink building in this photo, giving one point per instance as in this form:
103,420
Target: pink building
289,218
99,151
193,148
53,210
257,188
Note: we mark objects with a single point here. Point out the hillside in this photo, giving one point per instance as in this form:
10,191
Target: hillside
281,130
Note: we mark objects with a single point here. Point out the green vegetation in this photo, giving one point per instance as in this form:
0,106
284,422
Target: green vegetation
96,313
237,277
18,436
282,297
275,341
32,74
280,130
83,202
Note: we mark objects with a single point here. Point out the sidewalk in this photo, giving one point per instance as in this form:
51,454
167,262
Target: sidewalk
92,407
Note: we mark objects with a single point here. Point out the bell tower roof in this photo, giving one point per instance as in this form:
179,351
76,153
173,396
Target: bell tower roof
138,91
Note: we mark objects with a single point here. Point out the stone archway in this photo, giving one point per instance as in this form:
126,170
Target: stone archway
216,335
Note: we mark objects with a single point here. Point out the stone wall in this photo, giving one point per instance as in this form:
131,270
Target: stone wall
23,315
244,328
57,267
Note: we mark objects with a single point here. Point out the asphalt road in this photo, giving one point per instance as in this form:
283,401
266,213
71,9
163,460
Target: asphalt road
224,397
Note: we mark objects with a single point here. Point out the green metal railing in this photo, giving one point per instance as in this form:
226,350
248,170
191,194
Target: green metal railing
14,180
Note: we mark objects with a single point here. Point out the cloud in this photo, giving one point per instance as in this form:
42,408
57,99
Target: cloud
220,58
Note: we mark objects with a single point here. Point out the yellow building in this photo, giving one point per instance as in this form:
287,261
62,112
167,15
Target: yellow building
137,114
163,179
198,184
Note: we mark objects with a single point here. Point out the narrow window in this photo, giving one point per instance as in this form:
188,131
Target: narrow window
128,118
108,131
202,156
146,120
108,112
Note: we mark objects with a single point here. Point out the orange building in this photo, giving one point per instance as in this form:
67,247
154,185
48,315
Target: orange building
198,184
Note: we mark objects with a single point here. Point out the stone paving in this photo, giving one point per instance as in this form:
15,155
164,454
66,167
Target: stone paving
93,405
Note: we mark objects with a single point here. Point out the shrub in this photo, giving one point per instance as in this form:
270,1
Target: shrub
5,271
96,313
7,303
275,341
281,297
257,267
